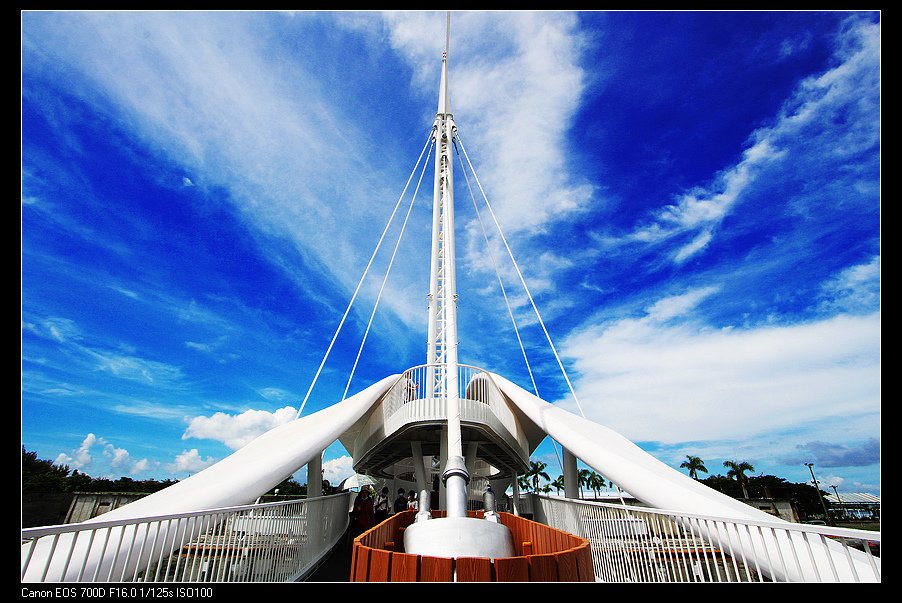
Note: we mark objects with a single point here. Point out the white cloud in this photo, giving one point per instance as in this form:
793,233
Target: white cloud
81,457
337,469
118,457
142,466
237,430
681,380
535,54
855,289
190,461
701,210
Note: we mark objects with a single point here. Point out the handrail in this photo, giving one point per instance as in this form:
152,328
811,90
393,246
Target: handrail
476,385
268,542
631,543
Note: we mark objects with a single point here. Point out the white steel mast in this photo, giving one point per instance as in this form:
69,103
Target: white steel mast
442,330
456,534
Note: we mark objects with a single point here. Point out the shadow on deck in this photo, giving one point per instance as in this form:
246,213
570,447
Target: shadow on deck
337,567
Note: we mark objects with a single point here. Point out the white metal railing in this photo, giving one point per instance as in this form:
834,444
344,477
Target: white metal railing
270,542
638,544
409,401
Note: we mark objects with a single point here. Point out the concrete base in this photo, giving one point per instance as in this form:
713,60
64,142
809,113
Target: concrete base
459,537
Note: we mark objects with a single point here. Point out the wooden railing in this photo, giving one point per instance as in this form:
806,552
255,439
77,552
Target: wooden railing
543,554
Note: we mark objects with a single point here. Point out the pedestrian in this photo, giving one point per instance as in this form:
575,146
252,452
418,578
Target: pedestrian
362,515
401,501
412,500
382,506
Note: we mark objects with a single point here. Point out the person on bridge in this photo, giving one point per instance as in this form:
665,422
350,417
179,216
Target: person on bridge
401,501
362,515
382,505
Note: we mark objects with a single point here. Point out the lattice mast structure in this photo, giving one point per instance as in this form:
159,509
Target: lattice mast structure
441,356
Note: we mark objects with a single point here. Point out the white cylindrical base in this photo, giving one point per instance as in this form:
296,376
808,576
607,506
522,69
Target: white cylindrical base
459,537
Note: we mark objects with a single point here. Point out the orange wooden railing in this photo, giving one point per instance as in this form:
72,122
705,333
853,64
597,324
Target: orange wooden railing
543,554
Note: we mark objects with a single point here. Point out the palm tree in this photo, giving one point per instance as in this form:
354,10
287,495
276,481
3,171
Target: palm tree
523,482
537,470
558,484
596,482
694,464
583,480
738,470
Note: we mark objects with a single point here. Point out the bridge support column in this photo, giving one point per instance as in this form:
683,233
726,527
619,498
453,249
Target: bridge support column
314,489
470,457
442,461
315,476
571,475
419,469
515,502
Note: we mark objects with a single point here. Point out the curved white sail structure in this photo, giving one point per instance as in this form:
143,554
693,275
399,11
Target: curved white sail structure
663,487
236,480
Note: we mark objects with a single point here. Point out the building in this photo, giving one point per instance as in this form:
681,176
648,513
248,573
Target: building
855,505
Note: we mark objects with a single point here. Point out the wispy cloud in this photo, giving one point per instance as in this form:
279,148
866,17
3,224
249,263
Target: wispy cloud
855,289
537,55
70,337
680,380
277,144
831,115
276,394
133,368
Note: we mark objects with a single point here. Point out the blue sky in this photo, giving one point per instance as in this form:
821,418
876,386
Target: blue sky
693,199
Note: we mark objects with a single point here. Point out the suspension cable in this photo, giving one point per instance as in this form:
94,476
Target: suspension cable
522,280
503,292
366,270
387,272
497,272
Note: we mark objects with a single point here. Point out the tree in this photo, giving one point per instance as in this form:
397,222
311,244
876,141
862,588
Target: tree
558,484
694,464
289,487
40,475
596,482
737,471
583,479
523,482
537,470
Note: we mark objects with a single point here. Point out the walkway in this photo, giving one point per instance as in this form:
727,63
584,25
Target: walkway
337,568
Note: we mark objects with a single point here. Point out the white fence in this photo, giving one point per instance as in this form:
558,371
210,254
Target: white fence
271,542
638,544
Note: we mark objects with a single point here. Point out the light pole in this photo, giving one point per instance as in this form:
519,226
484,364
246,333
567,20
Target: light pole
819,497
839,500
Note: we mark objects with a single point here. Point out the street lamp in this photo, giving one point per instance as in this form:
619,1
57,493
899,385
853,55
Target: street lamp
819,497
839,500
